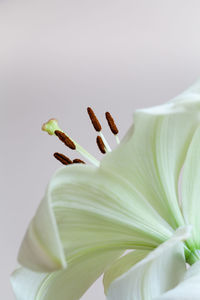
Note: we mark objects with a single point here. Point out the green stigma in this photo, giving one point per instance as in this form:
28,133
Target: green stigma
51,126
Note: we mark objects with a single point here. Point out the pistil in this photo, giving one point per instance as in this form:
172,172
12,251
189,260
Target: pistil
53,129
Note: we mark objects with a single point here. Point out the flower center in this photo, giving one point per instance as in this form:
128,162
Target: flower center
52,128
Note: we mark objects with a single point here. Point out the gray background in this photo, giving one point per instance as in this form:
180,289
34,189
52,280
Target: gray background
56,58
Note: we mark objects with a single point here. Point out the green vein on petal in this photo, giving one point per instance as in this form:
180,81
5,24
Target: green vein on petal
93,208
191,190
159,271
67,284
152,158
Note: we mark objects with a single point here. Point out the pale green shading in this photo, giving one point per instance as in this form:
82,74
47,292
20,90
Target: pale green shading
191,191
122,265
51,126
129,202
158,272
93,209
152,157
188,288
68,284
41,249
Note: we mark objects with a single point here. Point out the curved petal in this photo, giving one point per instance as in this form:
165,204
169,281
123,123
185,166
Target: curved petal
157,273
42,248
187,101
68,284
188,288
119,204
92,209
122,265
191,189
152,155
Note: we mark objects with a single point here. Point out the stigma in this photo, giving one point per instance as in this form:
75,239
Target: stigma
52,128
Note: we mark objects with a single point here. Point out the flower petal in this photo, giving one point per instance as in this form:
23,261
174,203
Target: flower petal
42,248
188,288
68,284
158,272
91,209
151,158
191,189
187,101
122,265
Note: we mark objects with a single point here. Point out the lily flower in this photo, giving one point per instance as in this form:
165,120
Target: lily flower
130,200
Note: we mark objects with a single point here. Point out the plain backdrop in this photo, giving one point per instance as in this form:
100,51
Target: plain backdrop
59,56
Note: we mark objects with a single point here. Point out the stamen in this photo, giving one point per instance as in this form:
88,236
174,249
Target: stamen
112,125
73,145
105,142
117,139
101,144
62,158
52,128
97,126
95,122
65,139
78,161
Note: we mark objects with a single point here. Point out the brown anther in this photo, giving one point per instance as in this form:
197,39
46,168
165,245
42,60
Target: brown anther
62,158
65,139
78,161
111,123
101,145
94,120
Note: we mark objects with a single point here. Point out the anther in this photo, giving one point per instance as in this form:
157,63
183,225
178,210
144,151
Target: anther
97,126
65,139
62,158
95,122
78,161
101,145
53,129
111,123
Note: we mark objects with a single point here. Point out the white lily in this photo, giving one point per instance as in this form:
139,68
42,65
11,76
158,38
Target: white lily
91,214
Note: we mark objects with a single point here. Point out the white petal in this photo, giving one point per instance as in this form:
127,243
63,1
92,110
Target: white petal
26,283
188,288
68,284
160,271
187,101
122,265
191,189
151,158
190,99
90,209
118,205
42,248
